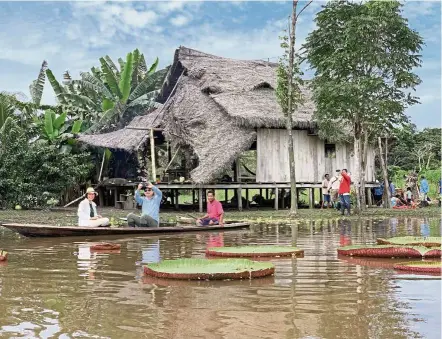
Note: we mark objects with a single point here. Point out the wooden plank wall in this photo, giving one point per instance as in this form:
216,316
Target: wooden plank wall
311,164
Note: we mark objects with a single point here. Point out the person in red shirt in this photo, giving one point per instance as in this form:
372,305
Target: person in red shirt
344,192
215,212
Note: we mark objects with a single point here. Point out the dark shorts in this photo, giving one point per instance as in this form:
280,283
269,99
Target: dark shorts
206,221
326,197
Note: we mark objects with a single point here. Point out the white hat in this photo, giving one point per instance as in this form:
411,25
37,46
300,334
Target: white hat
91,190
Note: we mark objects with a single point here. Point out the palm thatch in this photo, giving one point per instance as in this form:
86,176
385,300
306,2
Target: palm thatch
128,138
213,105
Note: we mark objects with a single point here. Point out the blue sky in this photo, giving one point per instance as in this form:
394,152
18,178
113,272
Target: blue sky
73,35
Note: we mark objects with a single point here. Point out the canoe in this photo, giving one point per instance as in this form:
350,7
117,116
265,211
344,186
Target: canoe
35,230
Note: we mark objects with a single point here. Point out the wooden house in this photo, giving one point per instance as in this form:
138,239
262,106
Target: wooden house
215,108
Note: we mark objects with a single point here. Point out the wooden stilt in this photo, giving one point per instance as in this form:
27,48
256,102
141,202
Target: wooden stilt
152,156
247,198
369,197
226,196
276,198
311,197
193,198
200,199
239,196
177,204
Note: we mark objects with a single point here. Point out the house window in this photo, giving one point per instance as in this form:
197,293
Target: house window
330,150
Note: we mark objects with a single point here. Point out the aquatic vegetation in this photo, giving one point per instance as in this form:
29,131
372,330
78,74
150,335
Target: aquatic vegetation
204,269
390,251
255,251
411,241
420,266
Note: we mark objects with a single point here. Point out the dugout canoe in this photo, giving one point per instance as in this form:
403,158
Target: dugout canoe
36,230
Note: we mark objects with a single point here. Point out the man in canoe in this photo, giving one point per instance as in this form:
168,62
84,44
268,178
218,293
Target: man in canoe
87,211
150,207
215,212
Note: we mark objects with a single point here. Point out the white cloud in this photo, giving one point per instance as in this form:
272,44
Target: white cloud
180,20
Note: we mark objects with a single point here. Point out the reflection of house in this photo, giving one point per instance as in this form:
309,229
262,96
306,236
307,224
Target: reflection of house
217,108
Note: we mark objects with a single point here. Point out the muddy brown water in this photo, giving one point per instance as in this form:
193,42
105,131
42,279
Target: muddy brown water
58,288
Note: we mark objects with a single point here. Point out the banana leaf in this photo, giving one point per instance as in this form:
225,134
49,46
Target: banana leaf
58,89
111,79
126,79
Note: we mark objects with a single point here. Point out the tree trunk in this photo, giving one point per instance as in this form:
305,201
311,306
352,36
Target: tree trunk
387,203
289,121
356,176
363,169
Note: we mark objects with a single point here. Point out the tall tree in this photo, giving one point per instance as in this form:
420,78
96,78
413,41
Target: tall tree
288,93
363,55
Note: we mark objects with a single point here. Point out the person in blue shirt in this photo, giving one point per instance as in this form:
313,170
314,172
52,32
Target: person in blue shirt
150,207
378,192
425,188
392,189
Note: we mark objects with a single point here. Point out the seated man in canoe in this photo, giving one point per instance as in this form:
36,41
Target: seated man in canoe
215,212
150,207
87,211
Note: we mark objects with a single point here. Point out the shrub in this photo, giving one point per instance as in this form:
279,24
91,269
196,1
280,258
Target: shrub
35,174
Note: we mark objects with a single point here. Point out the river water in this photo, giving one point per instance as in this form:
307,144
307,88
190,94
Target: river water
57,288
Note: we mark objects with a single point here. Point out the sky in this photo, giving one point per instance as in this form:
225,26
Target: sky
74,35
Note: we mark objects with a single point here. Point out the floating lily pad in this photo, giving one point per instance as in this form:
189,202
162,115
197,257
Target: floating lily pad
420,266
255,251
390,251
204,269
3,255
411,241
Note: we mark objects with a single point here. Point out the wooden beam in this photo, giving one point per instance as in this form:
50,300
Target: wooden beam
239,196
200,199
152,156
276,198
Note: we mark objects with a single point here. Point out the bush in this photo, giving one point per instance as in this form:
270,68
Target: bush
35,174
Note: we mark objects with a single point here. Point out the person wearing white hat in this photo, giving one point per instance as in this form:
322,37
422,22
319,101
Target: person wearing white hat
87,211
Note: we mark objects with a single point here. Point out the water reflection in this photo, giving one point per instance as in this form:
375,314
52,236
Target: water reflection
59,288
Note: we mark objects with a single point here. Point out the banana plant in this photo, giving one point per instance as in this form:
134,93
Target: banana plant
106,96
56,130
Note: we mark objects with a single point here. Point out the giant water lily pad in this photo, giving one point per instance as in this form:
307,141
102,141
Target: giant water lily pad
411,241
420,266
255,251
204,269
390,251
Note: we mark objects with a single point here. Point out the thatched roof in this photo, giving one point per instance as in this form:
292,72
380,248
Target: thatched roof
213,105
128,138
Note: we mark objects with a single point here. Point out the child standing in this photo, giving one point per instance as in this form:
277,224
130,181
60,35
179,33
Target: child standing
409,196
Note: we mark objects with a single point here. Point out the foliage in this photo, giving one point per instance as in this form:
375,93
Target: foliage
433,176
363,55
33,174
7,108
415,150
37,86
108,97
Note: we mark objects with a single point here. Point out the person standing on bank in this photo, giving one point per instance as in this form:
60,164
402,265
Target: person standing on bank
333,188
344,191
325,192
215,212
87,211
150,207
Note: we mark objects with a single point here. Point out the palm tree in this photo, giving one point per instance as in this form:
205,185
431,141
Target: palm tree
109,96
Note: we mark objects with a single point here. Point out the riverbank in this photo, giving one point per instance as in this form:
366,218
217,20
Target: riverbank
67,217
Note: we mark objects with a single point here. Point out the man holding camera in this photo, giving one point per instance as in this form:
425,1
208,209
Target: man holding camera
150,207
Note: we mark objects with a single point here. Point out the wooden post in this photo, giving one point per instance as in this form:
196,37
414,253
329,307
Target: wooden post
226,194
200,199
267,194
369,200
101,197
177,204
152,156
282,199
276,198
115,197
193,197
311,197
247,198
239,196
102,165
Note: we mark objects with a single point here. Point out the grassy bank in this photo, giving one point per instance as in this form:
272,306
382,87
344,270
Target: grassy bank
68,216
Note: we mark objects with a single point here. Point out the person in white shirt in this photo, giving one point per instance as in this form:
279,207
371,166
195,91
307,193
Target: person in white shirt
87,211
325,192
333,187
